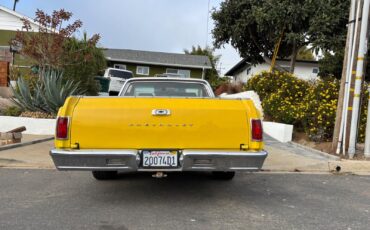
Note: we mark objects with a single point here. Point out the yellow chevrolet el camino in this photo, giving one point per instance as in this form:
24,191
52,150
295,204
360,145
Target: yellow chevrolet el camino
159,125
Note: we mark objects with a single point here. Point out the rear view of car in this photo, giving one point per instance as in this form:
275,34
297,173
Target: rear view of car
159,125
117,79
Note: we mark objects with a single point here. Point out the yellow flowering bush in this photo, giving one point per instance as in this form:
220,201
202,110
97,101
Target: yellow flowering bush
320,109
281,94
265,83
363,116
308,105
286,105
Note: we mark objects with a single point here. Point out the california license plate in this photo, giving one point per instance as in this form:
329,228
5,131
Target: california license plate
159,158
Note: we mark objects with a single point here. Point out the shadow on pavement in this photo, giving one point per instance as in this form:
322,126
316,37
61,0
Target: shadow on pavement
176,189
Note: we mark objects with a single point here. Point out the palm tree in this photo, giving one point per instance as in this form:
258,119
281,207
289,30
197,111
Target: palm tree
15,4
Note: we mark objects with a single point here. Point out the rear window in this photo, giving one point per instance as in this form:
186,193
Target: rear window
165,89
120,74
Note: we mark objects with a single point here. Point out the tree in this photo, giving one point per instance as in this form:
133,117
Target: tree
254,26
211,75
53,46
331,65
87,60
45,46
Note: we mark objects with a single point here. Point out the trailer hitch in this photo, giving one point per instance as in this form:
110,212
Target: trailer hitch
159,175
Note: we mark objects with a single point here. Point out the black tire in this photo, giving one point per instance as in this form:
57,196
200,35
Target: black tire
223,175
104,175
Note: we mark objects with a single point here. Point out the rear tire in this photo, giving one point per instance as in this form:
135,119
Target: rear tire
104,175
223,175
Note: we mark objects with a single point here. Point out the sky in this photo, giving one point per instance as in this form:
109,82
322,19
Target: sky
153,25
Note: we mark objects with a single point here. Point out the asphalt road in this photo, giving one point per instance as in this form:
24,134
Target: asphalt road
47,199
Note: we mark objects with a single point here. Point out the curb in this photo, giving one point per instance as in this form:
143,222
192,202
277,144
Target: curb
33,167
17,145
323,154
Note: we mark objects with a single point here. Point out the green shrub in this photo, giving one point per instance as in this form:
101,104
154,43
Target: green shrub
320,109
14,111
217,82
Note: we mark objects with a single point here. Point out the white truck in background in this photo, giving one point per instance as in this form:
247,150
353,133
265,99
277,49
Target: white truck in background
117,78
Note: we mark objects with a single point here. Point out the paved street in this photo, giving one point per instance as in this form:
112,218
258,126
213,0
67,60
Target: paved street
48,199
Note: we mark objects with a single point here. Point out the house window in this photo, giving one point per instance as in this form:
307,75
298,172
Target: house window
315,70
183,72
142,70
119,66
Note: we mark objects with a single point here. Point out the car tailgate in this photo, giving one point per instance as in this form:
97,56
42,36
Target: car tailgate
185,123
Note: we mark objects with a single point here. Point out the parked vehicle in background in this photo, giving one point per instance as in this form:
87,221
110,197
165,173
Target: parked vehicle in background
117,79
159,125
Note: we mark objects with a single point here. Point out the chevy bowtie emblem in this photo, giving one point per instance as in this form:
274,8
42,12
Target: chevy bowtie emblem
161,112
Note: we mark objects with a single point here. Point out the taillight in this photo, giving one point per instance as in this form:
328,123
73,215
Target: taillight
62,128
257,131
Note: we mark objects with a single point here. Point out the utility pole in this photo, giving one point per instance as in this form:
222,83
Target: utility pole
15,4
350,81
207,24
338,121
358,80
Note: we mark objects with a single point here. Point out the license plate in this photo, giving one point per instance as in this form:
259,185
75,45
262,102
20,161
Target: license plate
159,158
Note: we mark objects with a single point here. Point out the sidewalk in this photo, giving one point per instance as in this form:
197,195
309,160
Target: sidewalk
30,156
283,157
27,139
286,157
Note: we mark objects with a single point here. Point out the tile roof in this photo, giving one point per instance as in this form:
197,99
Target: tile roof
158,58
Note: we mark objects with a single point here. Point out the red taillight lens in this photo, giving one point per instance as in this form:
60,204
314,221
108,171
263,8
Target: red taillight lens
257,131
62,128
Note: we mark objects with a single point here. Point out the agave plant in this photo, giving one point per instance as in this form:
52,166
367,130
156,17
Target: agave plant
47,94
27,98
55,89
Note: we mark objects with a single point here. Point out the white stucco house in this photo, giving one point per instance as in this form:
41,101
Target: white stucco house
11,20
10,23
243,70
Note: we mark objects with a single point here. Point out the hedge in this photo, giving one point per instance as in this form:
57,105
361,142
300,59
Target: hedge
309,105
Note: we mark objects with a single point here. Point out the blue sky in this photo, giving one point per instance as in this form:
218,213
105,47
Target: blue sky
155,25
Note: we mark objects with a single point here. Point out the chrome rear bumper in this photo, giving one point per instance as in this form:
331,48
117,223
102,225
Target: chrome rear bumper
129,160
